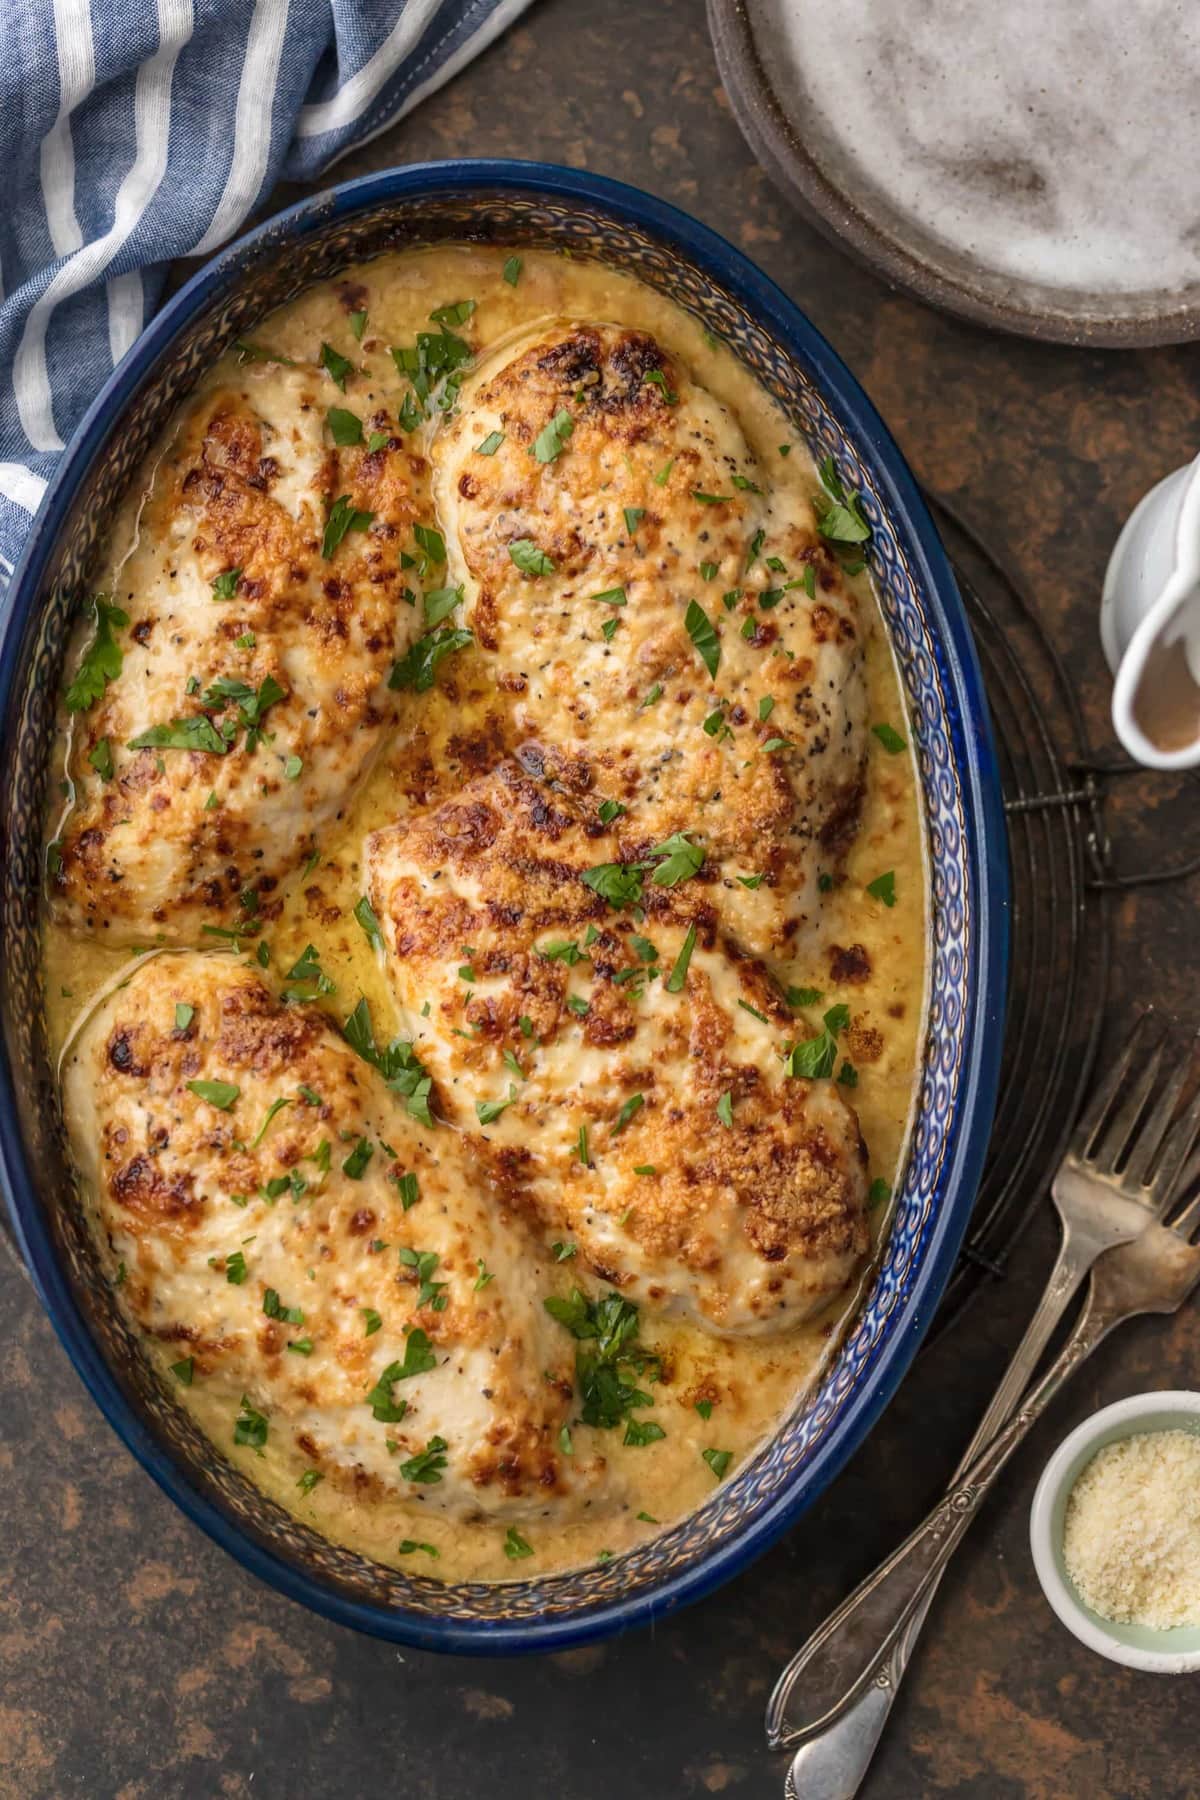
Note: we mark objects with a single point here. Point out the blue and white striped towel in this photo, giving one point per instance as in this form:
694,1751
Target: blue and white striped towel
135,131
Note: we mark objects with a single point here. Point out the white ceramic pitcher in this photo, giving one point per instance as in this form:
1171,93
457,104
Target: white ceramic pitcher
1150,624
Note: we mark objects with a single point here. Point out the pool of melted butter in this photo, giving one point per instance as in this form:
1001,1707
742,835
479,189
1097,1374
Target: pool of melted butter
753,1385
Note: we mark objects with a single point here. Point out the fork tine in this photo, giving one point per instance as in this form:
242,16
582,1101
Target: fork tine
1181,1141
1089,1126
1107,1151
1153,1135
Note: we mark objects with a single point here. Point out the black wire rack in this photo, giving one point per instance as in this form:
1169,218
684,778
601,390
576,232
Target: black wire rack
1064,873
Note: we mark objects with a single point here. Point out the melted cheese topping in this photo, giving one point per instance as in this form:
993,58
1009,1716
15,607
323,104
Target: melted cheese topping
532,727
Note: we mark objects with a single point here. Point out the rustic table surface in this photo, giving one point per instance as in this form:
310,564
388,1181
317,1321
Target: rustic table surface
137,1660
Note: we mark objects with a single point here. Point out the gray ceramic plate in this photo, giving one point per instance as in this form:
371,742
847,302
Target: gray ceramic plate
767,83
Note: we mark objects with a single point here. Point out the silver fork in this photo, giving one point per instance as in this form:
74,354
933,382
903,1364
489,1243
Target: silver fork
833,1699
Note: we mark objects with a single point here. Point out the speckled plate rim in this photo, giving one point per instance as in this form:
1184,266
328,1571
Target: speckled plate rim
986,883
832,209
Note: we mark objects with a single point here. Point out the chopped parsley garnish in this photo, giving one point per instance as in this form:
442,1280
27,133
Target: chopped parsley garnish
631,1108
410,1546
430,1293
708,571
676,979
456,313
235,1268
750,881
840,517
487,1111
343,517
704,1408
710,499
101,759
417,668
561,950
803,996
311,978
766,707
744,483
814,1059
485,1275
220,1094
612,597
564,1440
250,1427
890,738
355,1165
754,1012
618,883
551,441
642,1431
398,1063
718,1461
275,1309
378,440
608,630
344,427
293,768
564,1252
777,743
338,366
879,1193
184,1371
372,1321
582,1153
633,518
431,542
529,559
408,1189
608,810
643,1169
490,444
309,1480
418,1360
609,1329
225,586
184,1014
683,859
515,1546
275,1107
653,694
578,1005
358,324
647,1518
664,474
884,888
656,378
102,659
427,1465
700,629
847,1075
512,270
364,912
725,1110
439,603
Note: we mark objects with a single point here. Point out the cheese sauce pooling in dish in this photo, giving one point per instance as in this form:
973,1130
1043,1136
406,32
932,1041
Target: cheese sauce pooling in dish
485,928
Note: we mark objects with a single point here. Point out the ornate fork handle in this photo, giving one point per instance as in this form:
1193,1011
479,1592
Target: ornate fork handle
843,1656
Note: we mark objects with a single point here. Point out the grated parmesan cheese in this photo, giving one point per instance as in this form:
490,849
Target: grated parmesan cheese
1131,1541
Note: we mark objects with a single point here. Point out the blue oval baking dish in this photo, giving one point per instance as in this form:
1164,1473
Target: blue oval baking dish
520,204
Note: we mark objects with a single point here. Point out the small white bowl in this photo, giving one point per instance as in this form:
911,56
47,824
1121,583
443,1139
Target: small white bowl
1161,1652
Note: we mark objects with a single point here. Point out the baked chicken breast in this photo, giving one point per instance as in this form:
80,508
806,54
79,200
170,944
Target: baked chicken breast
670,643
341,1272
626,1056
229,696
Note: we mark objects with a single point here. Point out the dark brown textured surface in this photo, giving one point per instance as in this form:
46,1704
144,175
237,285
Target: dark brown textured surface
136,1660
